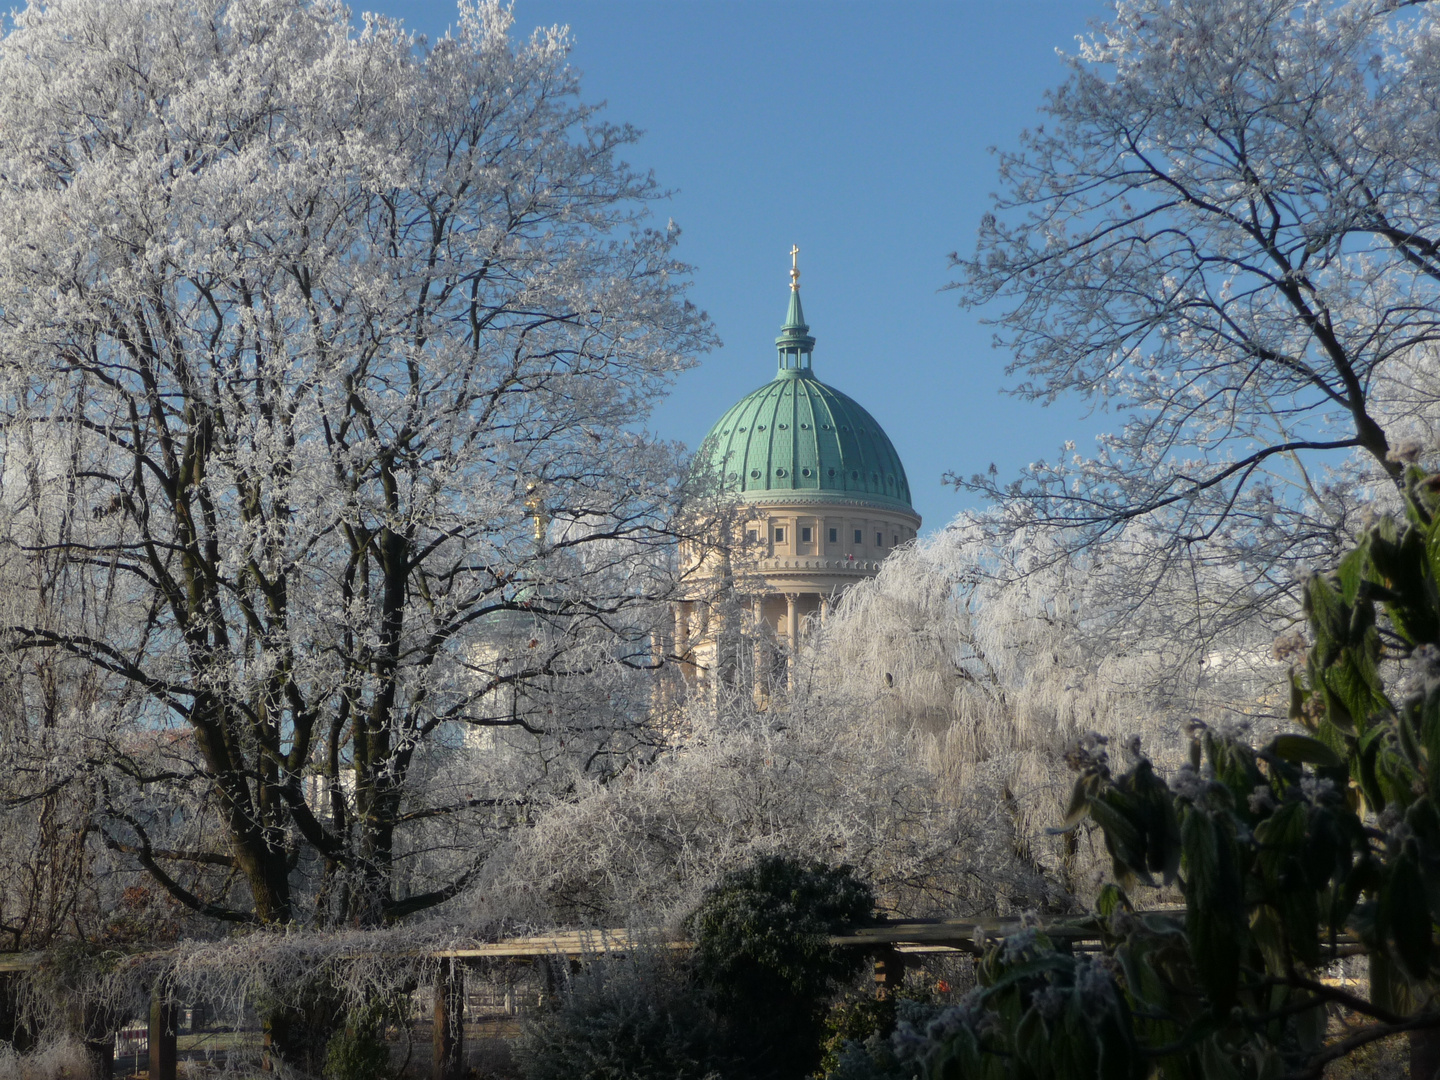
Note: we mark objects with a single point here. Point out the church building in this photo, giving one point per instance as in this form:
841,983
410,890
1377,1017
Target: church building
814,496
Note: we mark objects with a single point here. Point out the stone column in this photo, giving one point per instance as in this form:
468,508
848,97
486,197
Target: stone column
758,605
682,635
705,650
659,657
792,631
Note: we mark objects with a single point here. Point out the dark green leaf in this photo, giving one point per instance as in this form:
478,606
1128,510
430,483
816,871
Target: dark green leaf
1213,914
1302,749
1407,916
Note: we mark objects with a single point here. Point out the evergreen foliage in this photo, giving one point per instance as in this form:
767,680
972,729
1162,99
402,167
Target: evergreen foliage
358,1050
762,952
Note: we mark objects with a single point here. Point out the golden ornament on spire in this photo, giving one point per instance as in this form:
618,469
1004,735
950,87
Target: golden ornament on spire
794,268
535,503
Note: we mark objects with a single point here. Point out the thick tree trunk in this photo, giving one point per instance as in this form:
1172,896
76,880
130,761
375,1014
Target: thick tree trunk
264,865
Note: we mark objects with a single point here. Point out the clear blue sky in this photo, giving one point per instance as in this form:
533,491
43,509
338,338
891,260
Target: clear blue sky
860,132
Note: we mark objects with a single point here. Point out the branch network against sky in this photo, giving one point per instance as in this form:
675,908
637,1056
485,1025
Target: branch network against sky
862,134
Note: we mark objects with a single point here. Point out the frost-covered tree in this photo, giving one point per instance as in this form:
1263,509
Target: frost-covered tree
997,659
924,739
1226,234
51,878
323,322
797,779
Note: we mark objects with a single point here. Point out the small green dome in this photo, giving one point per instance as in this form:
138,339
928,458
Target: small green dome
800,440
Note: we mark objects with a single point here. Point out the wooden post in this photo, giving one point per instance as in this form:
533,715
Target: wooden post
164,1023
449,1028
889,973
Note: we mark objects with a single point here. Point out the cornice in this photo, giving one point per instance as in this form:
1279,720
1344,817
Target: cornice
781,502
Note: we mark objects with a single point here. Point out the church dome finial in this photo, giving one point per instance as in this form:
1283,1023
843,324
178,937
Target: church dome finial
795,343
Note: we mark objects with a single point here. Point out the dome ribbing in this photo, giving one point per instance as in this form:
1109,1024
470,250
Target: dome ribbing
798,439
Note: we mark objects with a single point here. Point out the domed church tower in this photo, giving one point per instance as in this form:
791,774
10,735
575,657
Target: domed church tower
817,497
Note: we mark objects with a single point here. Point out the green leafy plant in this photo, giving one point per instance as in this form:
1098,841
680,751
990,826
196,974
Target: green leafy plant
858,1044
358,1050
762,953
855,1020
1322,842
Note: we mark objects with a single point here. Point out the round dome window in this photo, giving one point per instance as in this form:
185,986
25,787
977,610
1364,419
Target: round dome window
779,472
854,475
783,427
804,427
755,474
734,476
759,427
804,472
832,472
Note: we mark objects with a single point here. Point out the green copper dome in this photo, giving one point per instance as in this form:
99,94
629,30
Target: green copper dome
799,440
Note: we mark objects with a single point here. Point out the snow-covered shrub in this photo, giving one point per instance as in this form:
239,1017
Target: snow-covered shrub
924,740
799,780
63,1059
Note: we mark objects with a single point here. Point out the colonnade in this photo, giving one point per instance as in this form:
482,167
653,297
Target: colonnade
698,629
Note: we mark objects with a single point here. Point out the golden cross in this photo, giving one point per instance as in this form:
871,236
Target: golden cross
794,268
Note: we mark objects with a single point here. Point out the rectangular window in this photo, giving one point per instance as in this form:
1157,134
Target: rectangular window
879,540
834,536
805,535
894,541
752,536
858,538
779,534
